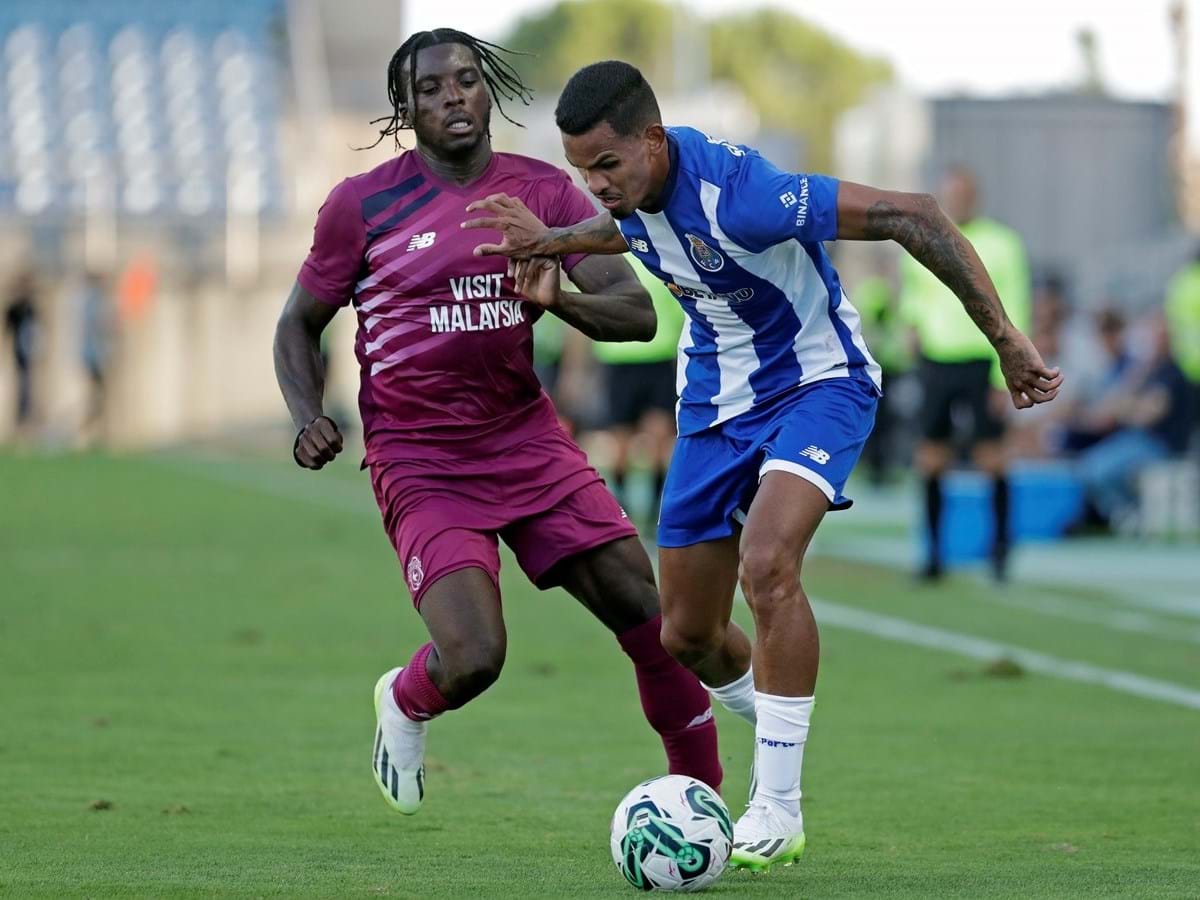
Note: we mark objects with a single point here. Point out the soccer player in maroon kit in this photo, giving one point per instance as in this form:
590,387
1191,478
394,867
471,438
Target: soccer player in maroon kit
462,444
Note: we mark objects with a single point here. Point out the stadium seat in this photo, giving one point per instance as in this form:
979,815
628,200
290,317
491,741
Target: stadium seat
167,101
1169,499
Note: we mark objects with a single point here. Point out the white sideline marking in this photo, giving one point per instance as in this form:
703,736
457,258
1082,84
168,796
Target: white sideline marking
905,632
286,485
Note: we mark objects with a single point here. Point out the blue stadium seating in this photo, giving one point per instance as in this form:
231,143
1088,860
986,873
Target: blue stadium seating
163,107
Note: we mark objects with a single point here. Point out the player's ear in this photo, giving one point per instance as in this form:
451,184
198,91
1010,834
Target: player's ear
655,136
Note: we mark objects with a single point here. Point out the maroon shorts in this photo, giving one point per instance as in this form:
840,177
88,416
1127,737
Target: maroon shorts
542,497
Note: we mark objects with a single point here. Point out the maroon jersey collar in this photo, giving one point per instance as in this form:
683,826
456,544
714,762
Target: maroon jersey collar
471,187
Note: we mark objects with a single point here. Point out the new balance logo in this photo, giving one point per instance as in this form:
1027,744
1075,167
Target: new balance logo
699,720
421,241
788,200
637,245
816,454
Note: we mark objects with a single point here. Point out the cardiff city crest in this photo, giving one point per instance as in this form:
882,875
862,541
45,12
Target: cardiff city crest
416,573
703,255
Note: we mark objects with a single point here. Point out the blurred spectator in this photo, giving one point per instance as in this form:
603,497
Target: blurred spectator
959,368
21,323
640,376
137,286
1051,309
1091,407
1183,318
93,307
1037,431
1151,416
888,337
558,363
548,352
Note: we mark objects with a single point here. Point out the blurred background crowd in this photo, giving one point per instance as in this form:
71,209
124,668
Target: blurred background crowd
161,165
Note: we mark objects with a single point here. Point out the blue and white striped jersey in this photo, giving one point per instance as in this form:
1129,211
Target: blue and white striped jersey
738,242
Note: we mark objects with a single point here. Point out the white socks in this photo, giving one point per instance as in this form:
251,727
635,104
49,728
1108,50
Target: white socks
737,696
780,730
779,740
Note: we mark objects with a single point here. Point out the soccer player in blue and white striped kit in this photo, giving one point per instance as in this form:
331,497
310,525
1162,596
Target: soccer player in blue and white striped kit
777,389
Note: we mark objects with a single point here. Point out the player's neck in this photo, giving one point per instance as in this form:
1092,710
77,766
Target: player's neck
460,170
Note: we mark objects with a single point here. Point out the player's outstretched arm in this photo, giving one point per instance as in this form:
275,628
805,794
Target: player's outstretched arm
611,304
917,223
301,375
524,234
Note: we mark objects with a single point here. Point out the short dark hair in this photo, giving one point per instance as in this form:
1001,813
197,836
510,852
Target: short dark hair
611,91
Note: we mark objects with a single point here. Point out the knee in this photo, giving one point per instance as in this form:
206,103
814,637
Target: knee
472,668
769,575
691,642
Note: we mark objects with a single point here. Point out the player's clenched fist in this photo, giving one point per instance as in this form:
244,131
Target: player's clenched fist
317,443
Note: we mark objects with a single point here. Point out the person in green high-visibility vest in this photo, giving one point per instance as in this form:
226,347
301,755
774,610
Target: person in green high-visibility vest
888,337
1183,320
959,369
640,377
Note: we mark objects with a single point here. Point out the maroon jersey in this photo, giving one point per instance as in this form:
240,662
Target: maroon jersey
445,344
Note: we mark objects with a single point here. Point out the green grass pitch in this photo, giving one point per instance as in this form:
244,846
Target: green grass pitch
188,647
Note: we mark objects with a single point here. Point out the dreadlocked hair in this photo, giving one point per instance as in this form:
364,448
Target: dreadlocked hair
498,73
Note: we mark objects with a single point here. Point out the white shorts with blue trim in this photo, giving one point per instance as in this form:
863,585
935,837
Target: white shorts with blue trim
815,432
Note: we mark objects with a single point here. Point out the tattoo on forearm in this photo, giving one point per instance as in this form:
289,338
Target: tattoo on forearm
598,234
935,243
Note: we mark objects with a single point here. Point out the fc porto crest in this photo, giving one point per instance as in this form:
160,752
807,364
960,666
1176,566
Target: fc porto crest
703,255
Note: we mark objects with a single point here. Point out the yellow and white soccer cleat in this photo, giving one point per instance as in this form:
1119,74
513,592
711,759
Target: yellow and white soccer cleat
398,762
764,837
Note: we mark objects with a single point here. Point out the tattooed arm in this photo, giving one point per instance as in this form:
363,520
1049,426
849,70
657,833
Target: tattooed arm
917,223
524,235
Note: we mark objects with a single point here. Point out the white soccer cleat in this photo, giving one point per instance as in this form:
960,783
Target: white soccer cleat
399,758
764,836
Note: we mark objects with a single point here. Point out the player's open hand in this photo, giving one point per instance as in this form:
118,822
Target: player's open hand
522,231
538,279
317,443
1030,381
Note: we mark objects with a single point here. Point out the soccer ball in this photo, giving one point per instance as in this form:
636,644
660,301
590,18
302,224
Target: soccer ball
671,833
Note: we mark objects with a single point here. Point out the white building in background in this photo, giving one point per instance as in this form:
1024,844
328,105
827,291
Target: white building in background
1088,180
1185,21
884,141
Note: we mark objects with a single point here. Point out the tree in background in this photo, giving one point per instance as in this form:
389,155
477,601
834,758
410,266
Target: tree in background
574,33
798,77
